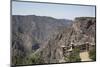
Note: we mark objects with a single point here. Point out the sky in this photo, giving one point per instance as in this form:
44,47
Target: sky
59,11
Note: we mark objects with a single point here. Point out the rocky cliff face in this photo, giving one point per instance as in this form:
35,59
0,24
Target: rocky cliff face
51,40
81,32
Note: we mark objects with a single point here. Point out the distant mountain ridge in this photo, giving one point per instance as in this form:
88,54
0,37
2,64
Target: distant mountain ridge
46,37
37,25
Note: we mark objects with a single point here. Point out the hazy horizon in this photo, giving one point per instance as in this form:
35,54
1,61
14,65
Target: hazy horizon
58,11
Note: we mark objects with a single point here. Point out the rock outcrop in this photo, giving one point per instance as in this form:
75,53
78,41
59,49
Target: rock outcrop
81,33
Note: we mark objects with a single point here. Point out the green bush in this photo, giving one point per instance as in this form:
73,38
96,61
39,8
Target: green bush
73,56
17,60
33,59
92,54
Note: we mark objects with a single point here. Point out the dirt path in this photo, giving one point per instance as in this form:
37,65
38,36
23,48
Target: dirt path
84,56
